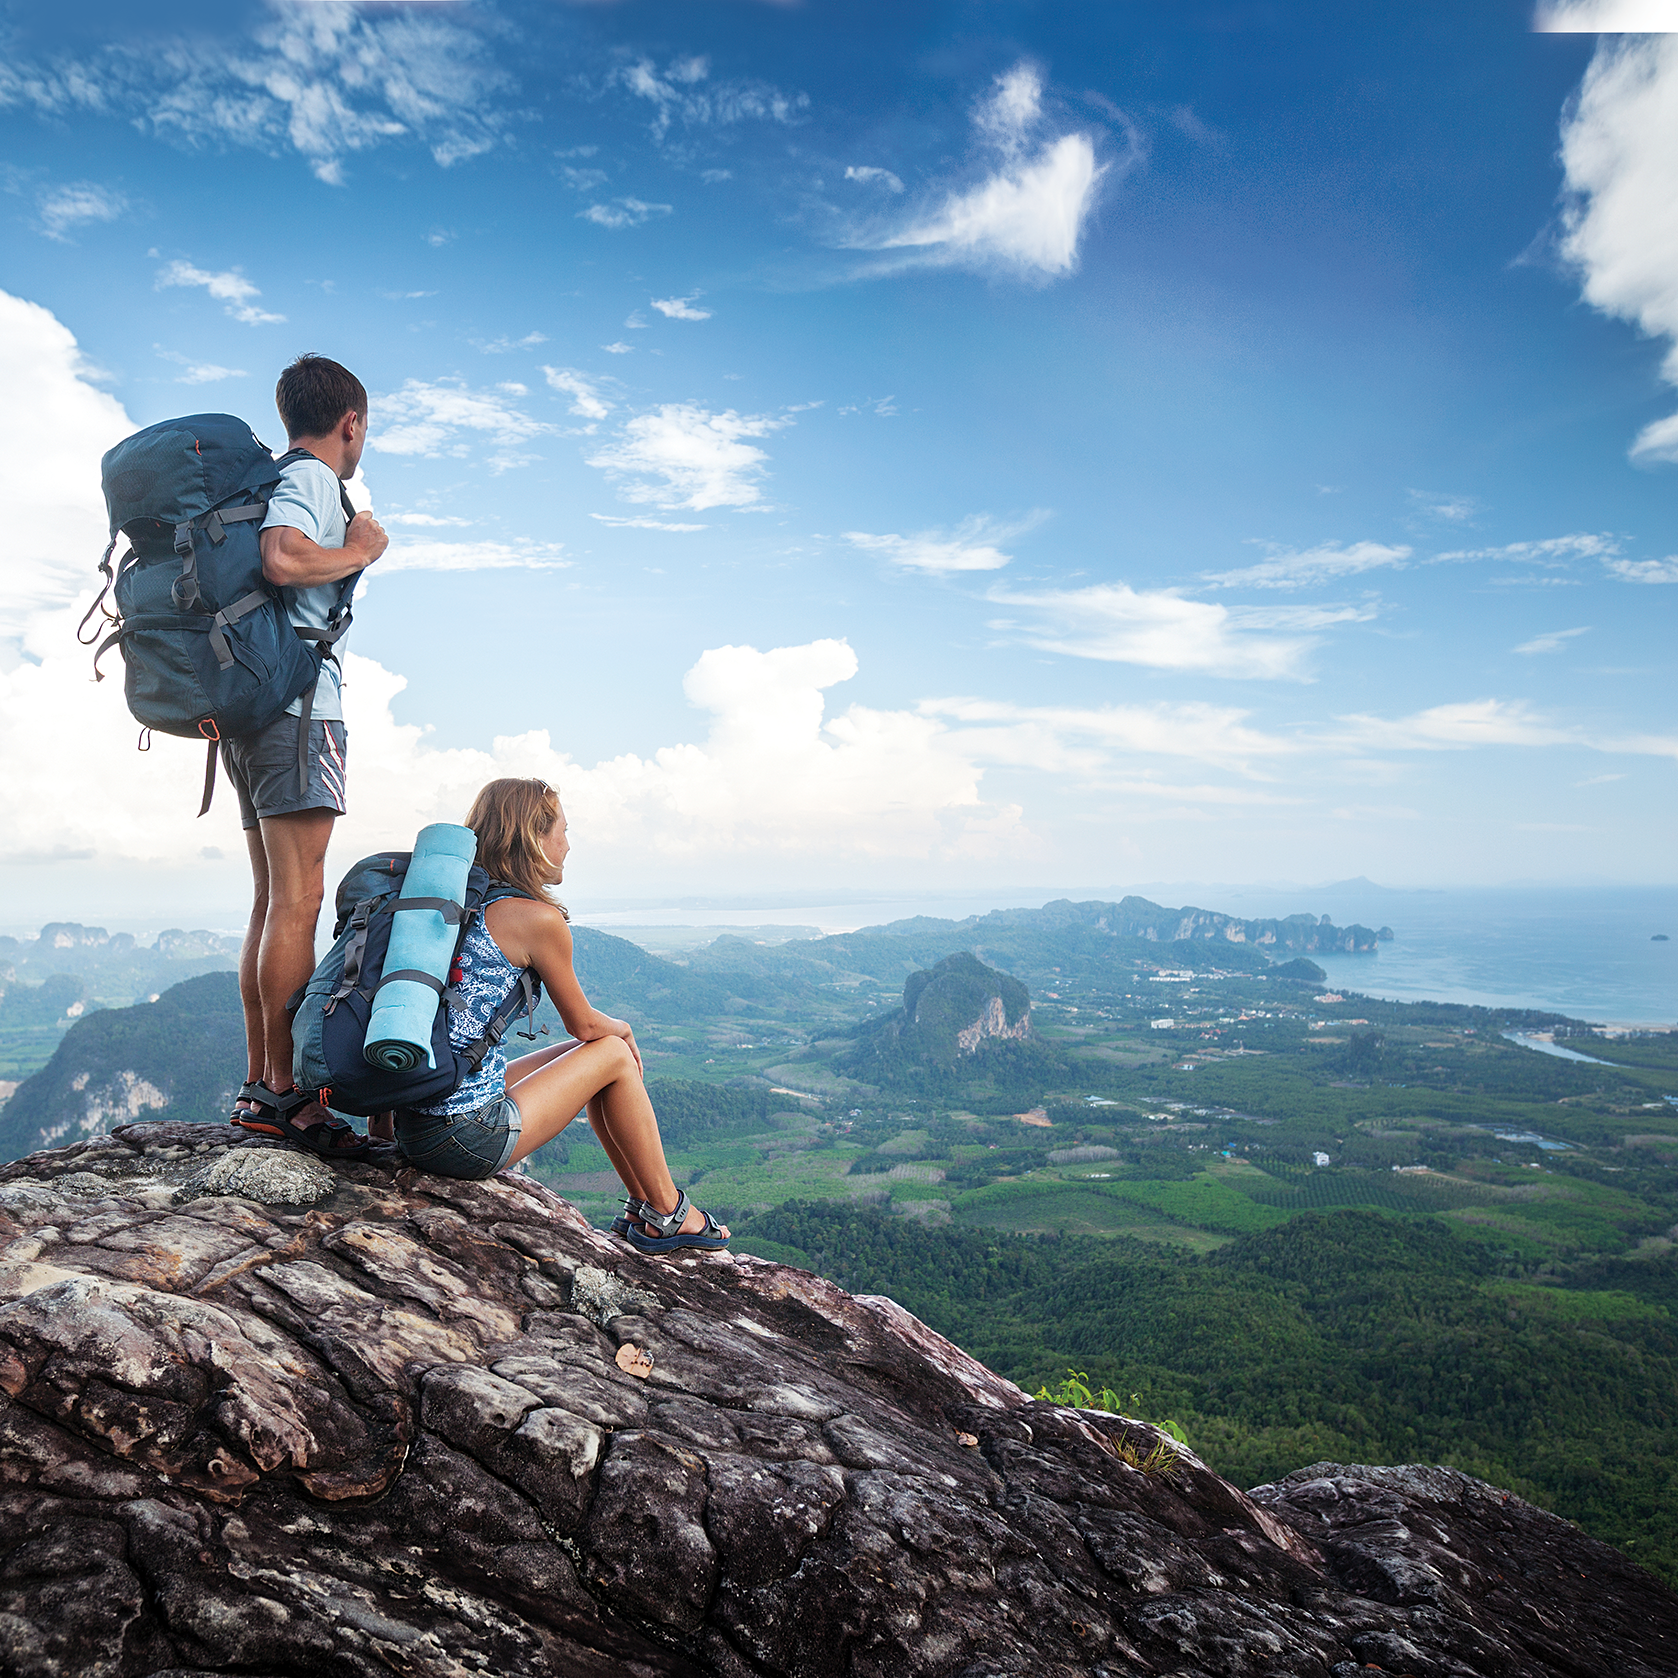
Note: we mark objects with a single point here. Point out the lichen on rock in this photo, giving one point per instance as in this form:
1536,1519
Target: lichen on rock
435,1427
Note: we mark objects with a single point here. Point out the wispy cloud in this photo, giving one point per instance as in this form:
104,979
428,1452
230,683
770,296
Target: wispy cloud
623,212
684,92
1026,214
199,372
438,417
871,176
1298,568
76,205
470,556
1457,727
229,287
971,546
1162,630
1554,642
586,400
643,523
323,81
1644,570
680,308
686,456
501,346
1619,215
422,520
1452,509
619,348
1552,550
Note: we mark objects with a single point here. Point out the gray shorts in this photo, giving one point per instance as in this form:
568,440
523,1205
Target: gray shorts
263,769
473,1145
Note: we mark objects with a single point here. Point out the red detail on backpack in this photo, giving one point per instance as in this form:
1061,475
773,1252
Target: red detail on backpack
207,728
457,974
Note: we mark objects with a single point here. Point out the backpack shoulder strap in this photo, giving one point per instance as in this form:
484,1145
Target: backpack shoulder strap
292,455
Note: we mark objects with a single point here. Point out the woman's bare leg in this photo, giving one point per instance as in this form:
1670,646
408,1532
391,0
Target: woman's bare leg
522,1068
602,1076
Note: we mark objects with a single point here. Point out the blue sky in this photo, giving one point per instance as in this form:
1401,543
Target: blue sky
910,445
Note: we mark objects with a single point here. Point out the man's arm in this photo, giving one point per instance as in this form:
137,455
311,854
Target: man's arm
291,560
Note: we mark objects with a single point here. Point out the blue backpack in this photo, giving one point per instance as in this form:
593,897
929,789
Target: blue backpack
208,648
329,1025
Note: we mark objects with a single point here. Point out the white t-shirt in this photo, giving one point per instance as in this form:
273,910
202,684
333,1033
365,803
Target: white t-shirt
307,499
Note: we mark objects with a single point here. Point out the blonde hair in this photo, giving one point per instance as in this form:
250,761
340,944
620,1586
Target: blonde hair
511,818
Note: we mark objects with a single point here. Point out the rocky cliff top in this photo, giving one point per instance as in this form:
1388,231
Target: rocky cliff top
268,1416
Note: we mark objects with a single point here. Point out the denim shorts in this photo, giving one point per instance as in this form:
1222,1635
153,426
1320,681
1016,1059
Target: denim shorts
475,1144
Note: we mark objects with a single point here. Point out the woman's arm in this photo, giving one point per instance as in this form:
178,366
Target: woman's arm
533,934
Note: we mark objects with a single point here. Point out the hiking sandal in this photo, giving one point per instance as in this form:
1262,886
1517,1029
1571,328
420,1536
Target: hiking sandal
670,1239
260,1097
331,1138
632,1209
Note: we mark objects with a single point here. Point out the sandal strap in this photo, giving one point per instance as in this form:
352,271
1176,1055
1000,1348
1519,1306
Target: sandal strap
667,1223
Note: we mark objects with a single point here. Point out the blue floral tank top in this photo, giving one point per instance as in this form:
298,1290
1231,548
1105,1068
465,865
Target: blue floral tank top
481,979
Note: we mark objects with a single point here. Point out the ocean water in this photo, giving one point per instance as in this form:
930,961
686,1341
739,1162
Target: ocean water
1587,953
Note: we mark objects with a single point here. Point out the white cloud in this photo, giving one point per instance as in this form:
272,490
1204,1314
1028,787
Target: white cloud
1027,214
1620,217
1644,570
971,546
1554,642
1087,739
619,348
77,204
695,458
428,418
1456,727
587,402
1552,550
680,308
1286,568
429,521
200,372
683,91
403,555
49,453
623,212
870,176
1161,629
321,80
1453,509
584,180
643,524
1606,17
229,287
500,346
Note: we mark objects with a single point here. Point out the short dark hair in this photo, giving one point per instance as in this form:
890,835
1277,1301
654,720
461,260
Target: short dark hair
314,394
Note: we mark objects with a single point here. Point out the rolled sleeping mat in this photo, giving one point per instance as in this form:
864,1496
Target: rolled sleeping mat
422,944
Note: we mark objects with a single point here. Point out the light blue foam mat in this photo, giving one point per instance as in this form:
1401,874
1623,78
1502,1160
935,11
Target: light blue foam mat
423,940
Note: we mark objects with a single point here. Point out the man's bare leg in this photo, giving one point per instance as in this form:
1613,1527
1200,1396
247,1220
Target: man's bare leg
294,847
250,994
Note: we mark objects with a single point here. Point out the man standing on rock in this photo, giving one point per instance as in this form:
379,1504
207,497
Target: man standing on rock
312,540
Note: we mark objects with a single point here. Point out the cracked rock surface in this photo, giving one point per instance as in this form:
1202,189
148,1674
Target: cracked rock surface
392,1427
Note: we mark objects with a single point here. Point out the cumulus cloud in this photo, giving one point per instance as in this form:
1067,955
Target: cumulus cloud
1554,642
1620,217
684,92
680,308
971,546
229,287
1026,214
1644,570
870,176
1285,568
1162,630
322,80
73,206
586,400
437,417
679,455
619,348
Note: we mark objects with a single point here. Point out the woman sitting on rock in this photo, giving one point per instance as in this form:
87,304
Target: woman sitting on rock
502,1113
